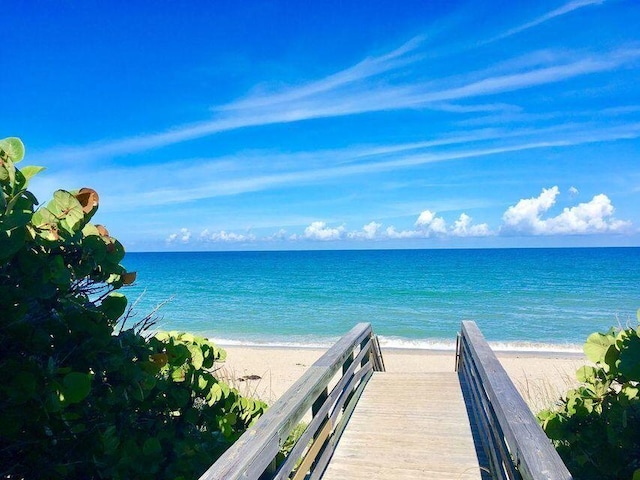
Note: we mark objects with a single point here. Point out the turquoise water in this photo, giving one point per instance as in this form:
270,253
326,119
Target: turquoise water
520,298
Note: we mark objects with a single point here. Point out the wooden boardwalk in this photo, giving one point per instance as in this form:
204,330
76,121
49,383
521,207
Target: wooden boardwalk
370,424
407,426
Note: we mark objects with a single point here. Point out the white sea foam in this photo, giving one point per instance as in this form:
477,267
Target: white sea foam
405,344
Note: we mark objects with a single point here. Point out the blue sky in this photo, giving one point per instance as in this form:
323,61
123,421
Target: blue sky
306,125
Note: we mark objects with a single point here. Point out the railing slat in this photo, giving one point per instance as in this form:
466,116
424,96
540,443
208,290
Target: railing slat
344,385
533,454
252,453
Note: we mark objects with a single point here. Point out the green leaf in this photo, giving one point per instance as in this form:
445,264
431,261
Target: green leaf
586,374
110,440
597,345
30,171
12,148
68,210
46,223
196,356
152,447
214,395
630,392
114,306
11,242
630,358
636,475
76,386
58,272
178,375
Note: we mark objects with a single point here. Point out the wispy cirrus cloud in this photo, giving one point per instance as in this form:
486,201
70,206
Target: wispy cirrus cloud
557,12
150,185
376,84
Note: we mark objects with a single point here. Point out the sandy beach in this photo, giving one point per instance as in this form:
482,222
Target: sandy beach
267,372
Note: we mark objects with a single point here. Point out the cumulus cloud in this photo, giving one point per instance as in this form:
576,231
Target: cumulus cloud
183,236
226,237
573,192
595,216
391,232
428,223
463,227
320,231
370,231
279,235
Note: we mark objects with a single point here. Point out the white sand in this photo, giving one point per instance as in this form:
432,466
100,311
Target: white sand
540,377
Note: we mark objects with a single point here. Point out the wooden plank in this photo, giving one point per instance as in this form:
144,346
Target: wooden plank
250,455
326,455
482,418
407,426
378,364
532,452
332,402
311,455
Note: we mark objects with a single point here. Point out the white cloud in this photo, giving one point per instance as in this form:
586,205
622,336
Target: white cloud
463,227
226,237
573,192
562,10
320,231
595,216
370,231
184,236
428,223
526,214
392,233
279,235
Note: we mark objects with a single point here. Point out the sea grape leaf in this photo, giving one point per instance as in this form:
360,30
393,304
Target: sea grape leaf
30,171
68,209
151,447
596,346
128,278
46,223
88,198
630,392
196,356
12,148
586,374
76,386
630,359
113,306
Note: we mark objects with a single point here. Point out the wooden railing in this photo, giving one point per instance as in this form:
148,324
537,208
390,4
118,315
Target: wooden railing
330,388
513,442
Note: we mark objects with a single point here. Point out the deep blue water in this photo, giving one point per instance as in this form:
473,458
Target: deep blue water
531,297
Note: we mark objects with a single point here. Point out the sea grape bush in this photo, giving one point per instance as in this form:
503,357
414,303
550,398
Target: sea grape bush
81,396
596,427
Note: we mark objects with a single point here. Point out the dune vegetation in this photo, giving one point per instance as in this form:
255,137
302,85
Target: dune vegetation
595,426
84,394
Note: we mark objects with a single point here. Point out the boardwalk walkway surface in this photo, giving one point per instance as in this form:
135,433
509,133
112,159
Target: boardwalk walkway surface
407,426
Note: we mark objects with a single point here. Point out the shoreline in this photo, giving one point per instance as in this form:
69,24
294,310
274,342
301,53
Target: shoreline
267,371
405,344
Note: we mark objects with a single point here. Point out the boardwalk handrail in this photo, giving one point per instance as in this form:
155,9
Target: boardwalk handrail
253,455
515,445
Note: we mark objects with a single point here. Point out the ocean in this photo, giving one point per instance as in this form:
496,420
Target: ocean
522,299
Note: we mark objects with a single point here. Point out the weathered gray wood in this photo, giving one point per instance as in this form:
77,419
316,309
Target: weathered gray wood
251,454
407,426
326,455
315,448
378,361
532,452
484,420
342,389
